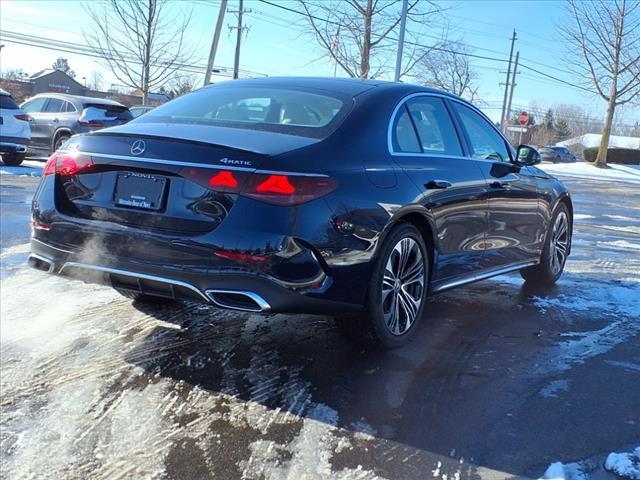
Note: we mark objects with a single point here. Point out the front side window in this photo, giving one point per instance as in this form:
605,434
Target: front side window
34,106
434,126
485,142
283,110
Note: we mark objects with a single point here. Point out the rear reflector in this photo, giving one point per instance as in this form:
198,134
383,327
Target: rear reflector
40,226
67,164
276,189
241,256
92,123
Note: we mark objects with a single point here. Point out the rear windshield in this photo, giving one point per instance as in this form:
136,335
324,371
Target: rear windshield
117,111
284,110
7,102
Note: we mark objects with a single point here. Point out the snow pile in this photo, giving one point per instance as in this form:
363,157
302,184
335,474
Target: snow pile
624,464
614,172
562,471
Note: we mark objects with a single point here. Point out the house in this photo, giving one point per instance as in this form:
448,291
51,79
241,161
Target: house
593,140
50,80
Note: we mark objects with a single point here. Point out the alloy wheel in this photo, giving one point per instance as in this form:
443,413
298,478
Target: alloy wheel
402,286
559,247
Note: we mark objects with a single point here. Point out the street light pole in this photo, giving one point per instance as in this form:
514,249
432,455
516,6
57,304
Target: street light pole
403,25
215,41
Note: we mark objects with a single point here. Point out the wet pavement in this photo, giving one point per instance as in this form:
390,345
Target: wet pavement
500,381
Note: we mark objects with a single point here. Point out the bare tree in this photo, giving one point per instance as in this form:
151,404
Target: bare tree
361,35
141,41
448,68
604,38
95,81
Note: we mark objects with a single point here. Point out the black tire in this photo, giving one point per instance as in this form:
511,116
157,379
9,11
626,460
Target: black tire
551,266
13,159
60,139
142,298
403,298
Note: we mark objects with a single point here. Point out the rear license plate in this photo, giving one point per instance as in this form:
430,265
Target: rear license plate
140,190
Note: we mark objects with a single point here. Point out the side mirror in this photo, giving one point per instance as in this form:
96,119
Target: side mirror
527,155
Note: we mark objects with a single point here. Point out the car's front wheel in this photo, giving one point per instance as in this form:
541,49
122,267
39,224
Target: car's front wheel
397,292
555,251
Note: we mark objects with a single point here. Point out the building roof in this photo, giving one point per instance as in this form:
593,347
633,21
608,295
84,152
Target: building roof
593,140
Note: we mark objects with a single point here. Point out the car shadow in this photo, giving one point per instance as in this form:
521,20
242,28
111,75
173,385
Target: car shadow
459,390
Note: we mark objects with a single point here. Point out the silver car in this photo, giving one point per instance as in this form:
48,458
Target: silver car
55,117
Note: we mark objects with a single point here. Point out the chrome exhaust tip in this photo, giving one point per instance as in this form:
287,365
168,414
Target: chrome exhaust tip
238,300
40,263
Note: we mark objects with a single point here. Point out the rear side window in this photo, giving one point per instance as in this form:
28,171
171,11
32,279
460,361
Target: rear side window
7,102
68,107
403,134
435,128
55,105
297,112
485,142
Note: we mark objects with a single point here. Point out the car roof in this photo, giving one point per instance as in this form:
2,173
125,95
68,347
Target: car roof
346,86
79,98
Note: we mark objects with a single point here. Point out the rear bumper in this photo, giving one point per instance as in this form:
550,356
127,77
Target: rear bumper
13,147
244,291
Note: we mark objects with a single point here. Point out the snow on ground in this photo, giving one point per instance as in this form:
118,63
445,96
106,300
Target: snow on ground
564,471
31,168
624,464
614,172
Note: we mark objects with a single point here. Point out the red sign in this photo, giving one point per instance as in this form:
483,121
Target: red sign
523,118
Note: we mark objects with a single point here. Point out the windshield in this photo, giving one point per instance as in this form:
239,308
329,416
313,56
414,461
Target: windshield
283,110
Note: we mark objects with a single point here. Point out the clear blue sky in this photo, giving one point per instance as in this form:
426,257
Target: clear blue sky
274,47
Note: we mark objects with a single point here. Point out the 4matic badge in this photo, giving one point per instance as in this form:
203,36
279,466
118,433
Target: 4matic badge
230,161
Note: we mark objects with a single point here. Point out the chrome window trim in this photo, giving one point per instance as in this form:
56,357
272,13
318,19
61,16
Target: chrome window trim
444,97
161,161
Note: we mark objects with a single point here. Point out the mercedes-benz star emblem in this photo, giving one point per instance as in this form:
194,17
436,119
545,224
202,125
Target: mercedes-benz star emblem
138,147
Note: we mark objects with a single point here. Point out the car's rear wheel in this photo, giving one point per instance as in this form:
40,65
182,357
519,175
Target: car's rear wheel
142,298
13,159
60,139
397,292
555,251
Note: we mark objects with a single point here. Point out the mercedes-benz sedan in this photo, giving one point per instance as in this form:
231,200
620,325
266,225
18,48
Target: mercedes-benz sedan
357,199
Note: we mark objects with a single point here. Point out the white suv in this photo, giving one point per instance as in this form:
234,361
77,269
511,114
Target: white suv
15,132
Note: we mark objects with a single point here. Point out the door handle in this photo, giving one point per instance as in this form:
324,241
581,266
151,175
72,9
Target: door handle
437,184
498,184
55,120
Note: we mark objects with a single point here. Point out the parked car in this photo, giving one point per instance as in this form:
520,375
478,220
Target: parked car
55,117
138,110
14,130
557,154
329,196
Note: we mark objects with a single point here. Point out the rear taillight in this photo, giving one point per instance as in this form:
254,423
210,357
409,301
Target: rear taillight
92,123
67,164
276,189
287,189
23,116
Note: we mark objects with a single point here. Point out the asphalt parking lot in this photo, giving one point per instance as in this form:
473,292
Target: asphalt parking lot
500,382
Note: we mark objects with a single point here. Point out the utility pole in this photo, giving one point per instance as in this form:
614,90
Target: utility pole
506,86
513,83
403,25
214,42
236,63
